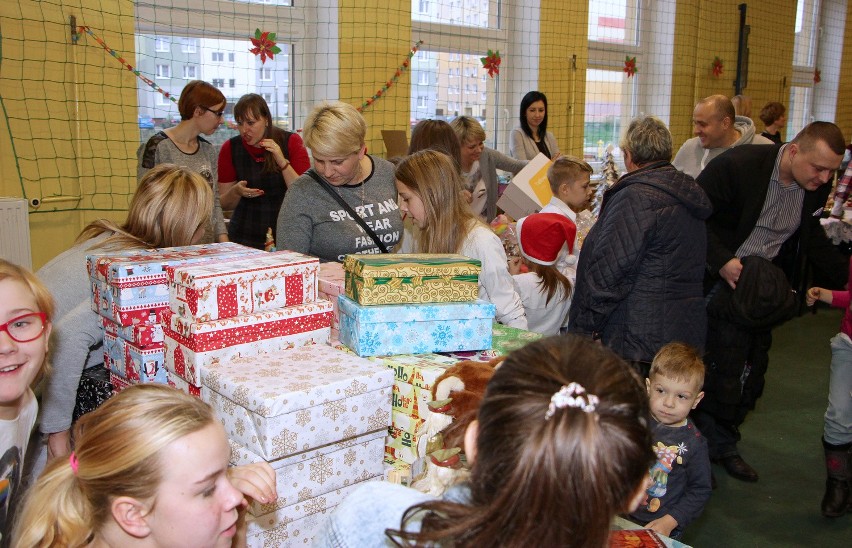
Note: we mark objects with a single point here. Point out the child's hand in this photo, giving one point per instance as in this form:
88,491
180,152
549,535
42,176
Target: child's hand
255,481
514,265
665,525
813,295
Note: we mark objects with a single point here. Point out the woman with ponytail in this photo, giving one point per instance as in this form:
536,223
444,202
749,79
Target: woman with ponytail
150,468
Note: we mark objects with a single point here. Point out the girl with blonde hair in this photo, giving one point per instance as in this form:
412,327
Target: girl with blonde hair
430,192
347,203
26,308
171,207
150,468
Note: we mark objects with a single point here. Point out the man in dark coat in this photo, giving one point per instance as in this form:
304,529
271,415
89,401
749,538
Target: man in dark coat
641,268
767,202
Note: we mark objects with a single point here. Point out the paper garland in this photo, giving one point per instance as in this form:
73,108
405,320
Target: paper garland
127,65
817,76
718,66
491,62
264,45
630,66
399,70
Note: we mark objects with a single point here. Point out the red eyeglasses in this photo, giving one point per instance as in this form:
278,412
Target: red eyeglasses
25,328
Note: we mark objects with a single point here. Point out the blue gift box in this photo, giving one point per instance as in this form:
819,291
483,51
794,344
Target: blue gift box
384,330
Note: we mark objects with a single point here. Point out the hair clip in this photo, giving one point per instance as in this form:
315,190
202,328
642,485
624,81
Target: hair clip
572,395
72,460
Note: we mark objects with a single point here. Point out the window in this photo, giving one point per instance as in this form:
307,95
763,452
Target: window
805,51
189,45
231,57
218,82
267,97
163,101
484,14
162,45
164,71
190,72
421,101
424,6
232,82
265,74
423,78
218,56
609,100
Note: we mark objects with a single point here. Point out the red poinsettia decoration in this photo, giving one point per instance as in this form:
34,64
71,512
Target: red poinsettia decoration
491,62
630,66
817,76
264,45
718,66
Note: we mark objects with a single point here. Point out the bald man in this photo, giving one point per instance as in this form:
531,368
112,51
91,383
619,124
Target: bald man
717,128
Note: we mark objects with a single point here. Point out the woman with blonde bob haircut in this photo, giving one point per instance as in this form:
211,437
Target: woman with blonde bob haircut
312,219
150,468
171,207
430,192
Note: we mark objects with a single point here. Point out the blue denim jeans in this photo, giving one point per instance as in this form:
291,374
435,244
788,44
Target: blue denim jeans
838,415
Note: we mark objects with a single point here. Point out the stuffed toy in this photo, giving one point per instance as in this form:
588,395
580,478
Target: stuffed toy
456,396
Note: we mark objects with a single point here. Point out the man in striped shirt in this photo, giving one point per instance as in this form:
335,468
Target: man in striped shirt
767,202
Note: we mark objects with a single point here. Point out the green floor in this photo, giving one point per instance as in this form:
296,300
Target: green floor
781,439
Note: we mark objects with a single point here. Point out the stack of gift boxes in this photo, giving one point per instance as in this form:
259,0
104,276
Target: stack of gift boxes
400,310
129,290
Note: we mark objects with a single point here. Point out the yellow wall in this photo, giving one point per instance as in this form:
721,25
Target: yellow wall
844,93
563,31
70,140
375,39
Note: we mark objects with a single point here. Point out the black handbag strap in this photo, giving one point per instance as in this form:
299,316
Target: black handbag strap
327,186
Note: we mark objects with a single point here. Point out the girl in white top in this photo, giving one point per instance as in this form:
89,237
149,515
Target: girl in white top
544,290
430,192
25,311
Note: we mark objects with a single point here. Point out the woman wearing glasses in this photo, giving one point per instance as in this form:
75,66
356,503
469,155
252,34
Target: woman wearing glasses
171,207
201,108
255,170
313,217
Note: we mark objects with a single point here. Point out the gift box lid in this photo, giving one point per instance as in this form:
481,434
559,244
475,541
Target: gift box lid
398,313
406,265
258,321
275,384
149,267
233,269
331,278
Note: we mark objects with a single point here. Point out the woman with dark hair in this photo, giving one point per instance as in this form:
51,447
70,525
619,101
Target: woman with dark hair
437,135
255,170
560,446
532,136
201,106
774,117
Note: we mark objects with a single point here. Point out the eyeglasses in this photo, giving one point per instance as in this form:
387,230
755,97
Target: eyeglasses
25,328
219,113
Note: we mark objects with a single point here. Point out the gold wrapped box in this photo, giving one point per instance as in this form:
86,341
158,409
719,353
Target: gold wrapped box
411,278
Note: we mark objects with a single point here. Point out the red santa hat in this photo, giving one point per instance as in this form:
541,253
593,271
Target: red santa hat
542,235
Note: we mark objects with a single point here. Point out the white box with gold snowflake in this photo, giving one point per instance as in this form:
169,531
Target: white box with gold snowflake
295,400
297,524
318,471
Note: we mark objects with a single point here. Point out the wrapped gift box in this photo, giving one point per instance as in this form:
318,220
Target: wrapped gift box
402,446
190,345
297,524
277,405
397,471
415,329
504,340
145,364
142,334
411,278
130,305
331,282
177,382
118,383
114,354
320,470
223,289
411,400
419,370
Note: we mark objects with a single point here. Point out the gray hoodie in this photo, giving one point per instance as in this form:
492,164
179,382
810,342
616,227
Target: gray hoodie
692,158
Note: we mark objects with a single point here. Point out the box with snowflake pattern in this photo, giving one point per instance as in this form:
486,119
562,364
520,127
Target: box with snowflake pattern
191,345
318,471
298,524
219,289
504,340
415,328
406,278
277,405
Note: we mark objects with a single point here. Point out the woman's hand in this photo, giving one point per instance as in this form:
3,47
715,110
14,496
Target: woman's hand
272,147
256,481
514,266
244,191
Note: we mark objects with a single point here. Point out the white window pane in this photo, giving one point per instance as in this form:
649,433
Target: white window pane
807,21
614,21
799,111
609,106
468,13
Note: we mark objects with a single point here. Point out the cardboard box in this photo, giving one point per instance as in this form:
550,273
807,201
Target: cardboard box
114,354
180,384
298,399
529,190
415,329
331,282
144,364
320,470
118,383
504,340
190,345
141,334
411,278
130,305
219,289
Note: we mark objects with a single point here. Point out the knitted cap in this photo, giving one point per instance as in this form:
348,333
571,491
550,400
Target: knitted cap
542,235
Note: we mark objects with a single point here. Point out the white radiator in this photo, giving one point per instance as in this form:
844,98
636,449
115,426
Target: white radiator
15,232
